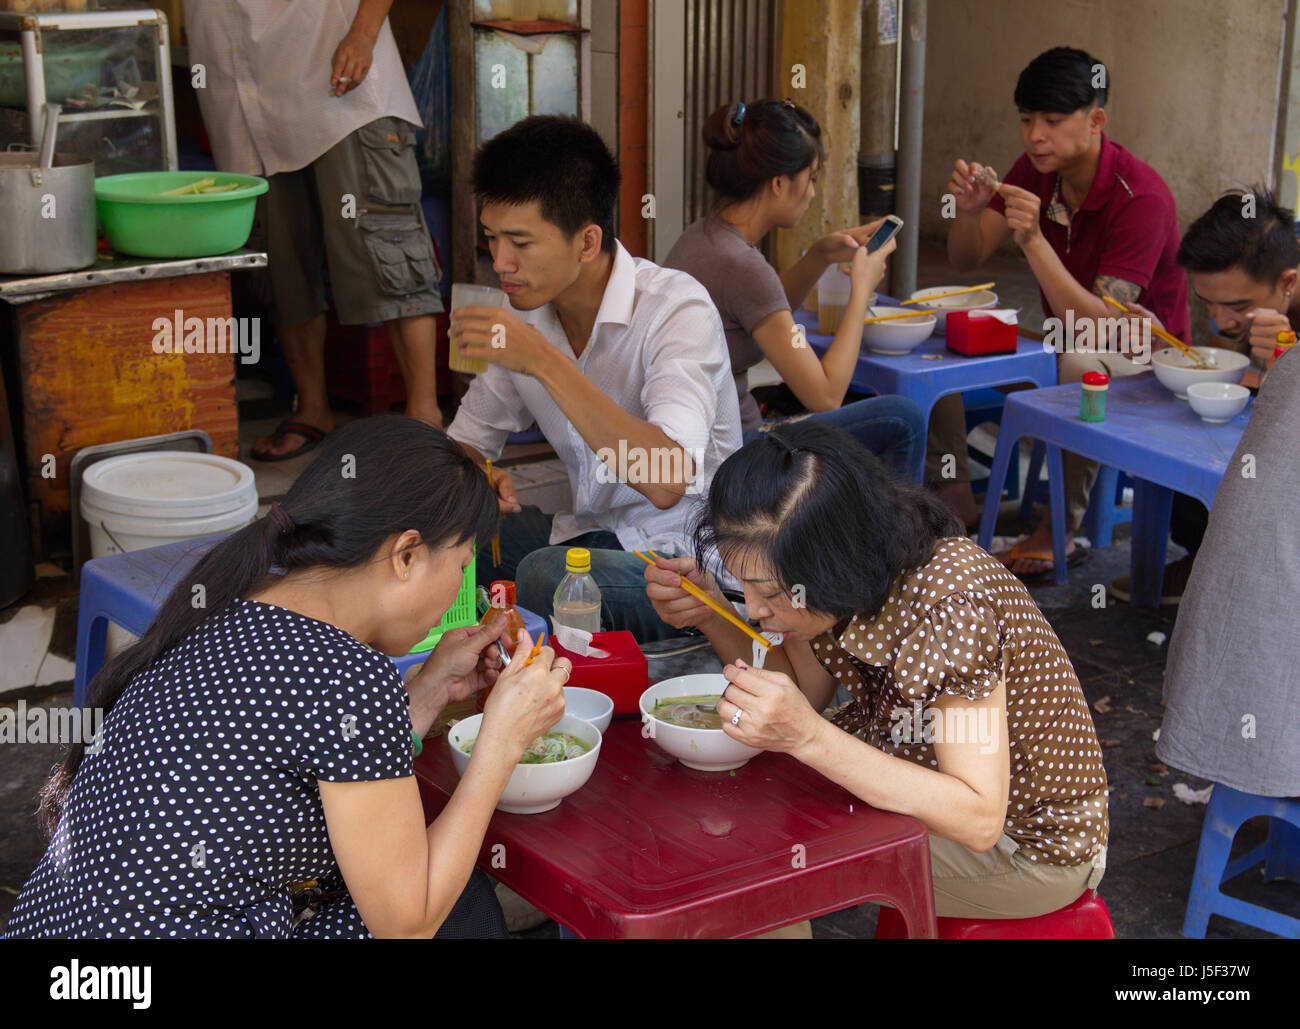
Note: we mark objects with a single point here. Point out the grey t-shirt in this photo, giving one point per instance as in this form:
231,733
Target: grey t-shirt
744,287
1232,682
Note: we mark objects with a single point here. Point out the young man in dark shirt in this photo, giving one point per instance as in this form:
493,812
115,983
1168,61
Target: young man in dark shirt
1093,221
1242,258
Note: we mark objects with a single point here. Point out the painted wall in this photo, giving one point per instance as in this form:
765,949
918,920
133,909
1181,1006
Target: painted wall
1195,86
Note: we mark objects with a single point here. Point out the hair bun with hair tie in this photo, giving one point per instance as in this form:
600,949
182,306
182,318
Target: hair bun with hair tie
731,123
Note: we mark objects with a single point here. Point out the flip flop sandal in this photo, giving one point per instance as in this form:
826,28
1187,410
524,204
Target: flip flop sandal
313,436
1075,558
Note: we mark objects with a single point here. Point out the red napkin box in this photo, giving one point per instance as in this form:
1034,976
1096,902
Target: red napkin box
974,334
623,676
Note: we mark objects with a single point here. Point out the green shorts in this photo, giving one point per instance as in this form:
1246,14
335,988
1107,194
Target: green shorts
356,206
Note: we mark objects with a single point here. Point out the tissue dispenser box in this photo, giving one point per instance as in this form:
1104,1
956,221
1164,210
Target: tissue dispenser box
976,333
623,676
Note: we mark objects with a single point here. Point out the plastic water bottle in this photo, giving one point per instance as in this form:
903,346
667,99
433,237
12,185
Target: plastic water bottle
577,597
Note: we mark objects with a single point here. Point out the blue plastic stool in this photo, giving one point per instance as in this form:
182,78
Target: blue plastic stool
1105,503
1280,855
129,589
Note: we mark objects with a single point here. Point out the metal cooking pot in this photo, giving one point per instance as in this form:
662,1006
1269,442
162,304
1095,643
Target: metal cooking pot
48,215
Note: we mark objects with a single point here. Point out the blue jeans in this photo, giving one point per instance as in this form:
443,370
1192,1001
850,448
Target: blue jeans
537,568
892,428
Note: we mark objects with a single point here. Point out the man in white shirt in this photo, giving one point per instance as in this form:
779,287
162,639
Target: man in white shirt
622,364
312,94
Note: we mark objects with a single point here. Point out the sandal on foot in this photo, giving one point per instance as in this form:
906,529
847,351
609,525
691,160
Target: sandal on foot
312,434
1075,558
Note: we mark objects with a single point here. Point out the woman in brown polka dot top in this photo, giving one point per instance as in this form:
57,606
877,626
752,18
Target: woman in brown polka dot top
965,710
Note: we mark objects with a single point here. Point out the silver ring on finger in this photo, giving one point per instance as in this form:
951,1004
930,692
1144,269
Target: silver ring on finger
735,719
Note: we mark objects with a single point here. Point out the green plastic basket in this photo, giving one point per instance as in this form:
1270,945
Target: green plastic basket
138,221
462,612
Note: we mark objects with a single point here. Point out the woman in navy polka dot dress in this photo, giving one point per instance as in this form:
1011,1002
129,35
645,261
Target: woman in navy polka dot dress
253,739
965,711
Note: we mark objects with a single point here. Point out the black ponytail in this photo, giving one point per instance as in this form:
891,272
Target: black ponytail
373,479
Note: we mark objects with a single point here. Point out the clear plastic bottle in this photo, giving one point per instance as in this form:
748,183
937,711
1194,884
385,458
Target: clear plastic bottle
577,598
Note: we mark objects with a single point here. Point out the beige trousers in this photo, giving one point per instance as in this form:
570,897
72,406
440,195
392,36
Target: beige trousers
947,434
1003,882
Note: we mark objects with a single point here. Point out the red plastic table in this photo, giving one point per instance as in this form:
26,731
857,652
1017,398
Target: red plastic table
649,848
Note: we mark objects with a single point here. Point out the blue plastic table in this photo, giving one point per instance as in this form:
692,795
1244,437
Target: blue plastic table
923,379
129,589
1149,433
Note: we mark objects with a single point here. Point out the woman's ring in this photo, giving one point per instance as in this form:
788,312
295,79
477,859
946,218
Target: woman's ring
735,719
344,78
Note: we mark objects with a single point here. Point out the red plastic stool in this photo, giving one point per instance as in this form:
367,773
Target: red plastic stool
1087,918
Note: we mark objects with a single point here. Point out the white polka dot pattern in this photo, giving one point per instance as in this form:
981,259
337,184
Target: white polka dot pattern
945,630
201,805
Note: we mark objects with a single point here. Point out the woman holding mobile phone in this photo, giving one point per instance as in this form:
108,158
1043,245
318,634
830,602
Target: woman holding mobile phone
764,159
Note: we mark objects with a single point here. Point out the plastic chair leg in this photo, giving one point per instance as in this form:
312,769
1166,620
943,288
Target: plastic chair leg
1152,505
1211,861
1036,458
1282,859
1056,482
1099,520
92,641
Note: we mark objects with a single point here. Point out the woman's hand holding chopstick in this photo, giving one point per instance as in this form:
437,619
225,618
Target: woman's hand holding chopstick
465,661
670,599
528,698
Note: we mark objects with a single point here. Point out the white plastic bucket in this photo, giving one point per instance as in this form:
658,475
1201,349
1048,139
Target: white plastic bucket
156,497
144,500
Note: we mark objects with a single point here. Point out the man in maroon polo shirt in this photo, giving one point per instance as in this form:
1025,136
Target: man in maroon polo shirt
1093,221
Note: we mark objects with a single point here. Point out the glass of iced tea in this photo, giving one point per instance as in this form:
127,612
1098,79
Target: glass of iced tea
466,294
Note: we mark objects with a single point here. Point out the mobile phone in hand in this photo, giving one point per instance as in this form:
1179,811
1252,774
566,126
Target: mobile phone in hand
887,231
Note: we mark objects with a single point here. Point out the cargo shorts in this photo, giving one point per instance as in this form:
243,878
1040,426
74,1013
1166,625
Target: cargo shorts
357,206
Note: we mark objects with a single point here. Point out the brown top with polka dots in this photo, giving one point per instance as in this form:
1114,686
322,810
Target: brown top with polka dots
947,628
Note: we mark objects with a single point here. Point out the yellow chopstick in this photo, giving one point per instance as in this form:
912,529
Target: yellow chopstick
892,317
951,293
700,595
537,647
496,540
1169,338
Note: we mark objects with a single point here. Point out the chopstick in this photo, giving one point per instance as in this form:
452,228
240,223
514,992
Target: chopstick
496,540
950,293
537,647
891,317
1169,338
703,597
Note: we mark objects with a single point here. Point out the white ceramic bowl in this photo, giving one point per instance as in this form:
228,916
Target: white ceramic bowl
707,750
1217,402
1176,371
978,301
535,788
589,705
899,336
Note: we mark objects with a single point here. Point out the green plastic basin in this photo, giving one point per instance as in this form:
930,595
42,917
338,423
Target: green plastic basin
138,221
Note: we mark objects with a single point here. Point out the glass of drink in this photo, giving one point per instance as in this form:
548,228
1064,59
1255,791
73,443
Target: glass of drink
832,297
466,294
